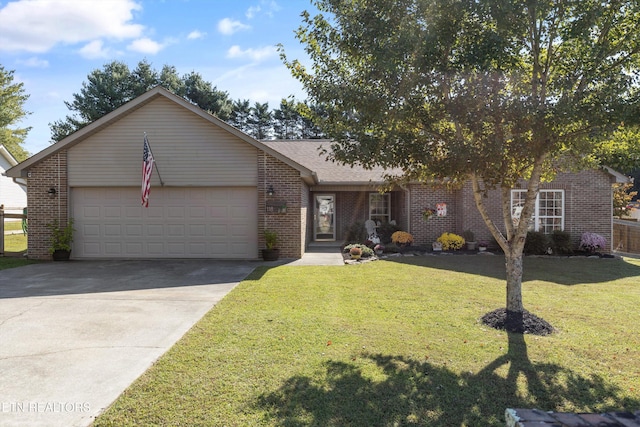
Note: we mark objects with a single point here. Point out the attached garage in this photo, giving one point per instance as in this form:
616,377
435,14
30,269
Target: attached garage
181,222
209,187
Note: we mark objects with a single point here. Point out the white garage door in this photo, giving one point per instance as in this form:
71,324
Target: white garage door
179,223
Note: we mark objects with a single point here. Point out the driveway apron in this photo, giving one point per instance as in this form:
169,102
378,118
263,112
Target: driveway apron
74,335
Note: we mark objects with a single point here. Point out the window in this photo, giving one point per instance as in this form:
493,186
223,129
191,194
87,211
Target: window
379,207
548,214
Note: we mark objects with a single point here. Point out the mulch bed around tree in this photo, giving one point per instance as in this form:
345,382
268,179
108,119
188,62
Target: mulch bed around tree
531,324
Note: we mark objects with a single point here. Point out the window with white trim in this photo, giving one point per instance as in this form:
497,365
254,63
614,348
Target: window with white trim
380,207
548,214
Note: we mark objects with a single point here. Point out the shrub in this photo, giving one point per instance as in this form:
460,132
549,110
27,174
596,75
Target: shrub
450,241
561,242
355,233
365,250
537,243
591,242
402,238
385,231
468,236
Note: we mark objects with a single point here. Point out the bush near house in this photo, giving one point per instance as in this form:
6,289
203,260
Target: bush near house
537,243
561,242
451,241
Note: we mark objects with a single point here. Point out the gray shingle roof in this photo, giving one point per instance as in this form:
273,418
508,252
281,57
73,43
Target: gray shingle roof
307,153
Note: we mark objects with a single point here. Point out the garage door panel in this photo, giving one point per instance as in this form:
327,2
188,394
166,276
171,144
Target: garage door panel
180,223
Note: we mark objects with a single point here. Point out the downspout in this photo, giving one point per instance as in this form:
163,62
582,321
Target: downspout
408,205
59,193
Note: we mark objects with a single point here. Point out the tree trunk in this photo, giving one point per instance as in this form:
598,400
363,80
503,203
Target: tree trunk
515,309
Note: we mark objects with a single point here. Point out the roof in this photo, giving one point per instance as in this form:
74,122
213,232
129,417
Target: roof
307,152
80,135
8,156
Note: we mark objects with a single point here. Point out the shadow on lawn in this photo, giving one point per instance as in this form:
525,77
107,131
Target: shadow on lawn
561,270
421,393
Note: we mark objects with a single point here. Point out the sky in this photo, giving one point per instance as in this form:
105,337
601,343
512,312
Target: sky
53,45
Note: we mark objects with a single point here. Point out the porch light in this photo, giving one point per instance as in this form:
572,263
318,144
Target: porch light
270,191
52,192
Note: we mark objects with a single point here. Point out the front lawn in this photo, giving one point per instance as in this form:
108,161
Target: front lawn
398,343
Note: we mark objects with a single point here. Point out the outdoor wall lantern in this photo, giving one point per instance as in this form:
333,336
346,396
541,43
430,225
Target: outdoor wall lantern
52,192
270,191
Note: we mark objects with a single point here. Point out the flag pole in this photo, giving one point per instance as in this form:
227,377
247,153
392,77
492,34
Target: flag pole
154,163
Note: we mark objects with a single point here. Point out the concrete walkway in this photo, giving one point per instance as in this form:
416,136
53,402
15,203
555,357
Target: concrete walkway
320,255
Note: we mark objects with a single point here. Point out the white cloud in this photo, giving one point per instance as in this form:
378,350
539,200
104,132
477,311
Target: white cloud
254,54
252,11
94,50
228,26
39,25
195,34
265,7
146,45
34,62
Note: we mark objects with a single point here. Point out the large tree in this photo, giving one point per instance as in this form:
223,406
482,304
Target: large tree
12,99
491,91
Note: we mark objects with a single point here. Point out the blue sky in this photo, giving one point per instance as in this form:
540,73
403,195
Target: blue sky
52,45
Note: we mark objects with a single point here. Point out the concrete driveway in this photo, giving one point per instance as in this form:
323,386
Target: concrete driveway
74,335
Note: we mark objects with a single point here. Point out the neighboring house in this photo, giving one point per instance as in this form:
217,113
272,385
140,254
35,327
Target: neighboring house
13,192
221,189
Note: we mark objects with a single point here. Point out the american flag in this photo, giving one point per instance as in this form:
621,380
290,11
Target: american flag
147,168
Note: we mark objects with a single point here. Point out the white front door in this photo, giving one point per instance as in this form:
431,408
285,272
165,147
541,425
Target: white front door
324,218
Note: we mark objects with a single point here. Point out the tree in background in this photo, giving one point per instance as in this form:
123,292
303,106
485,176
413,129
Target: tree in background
490,92
240,115
287,120
114,85
12,99
259,122
621,152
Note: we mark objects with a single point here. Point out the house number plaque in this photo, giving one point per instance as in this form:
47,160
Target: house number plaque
276,206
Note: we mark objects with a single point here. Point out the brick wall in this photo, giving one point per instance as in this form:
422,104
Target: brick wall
421,197
43,209
587,206
288,188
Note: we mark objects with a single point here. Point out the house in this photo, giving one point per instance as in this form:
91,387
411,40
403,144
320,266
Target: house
216,189
13,191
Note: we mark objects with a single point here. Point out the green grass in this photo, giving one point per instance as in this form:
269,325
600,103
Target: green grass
398,343
14,244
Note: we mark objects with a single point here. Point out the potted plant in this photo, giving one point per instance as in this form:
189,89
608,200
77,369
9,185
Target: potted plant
271,253
61,239
470,239
355,252
482,245
402,238
379,249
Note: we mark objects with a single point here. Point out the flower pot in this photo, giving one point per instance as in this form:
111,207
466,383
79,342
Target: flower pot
471,246
356,256
61,255
482,248
270,254
437,246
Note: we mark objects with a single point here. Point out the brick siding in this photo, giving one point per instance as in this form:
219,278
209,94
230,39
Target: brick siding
427,231
42,208
587,208
288,188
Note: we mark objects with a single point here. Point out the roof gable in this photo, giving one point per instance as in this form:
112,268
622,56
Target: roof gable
21,169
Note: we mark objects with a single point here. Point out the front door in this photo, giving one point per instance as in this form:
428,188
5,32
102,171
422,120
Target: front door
324,218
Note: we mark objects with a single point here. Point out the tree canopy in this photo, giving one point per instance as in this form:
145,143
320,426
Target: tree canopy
491,91
114,85
12,99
